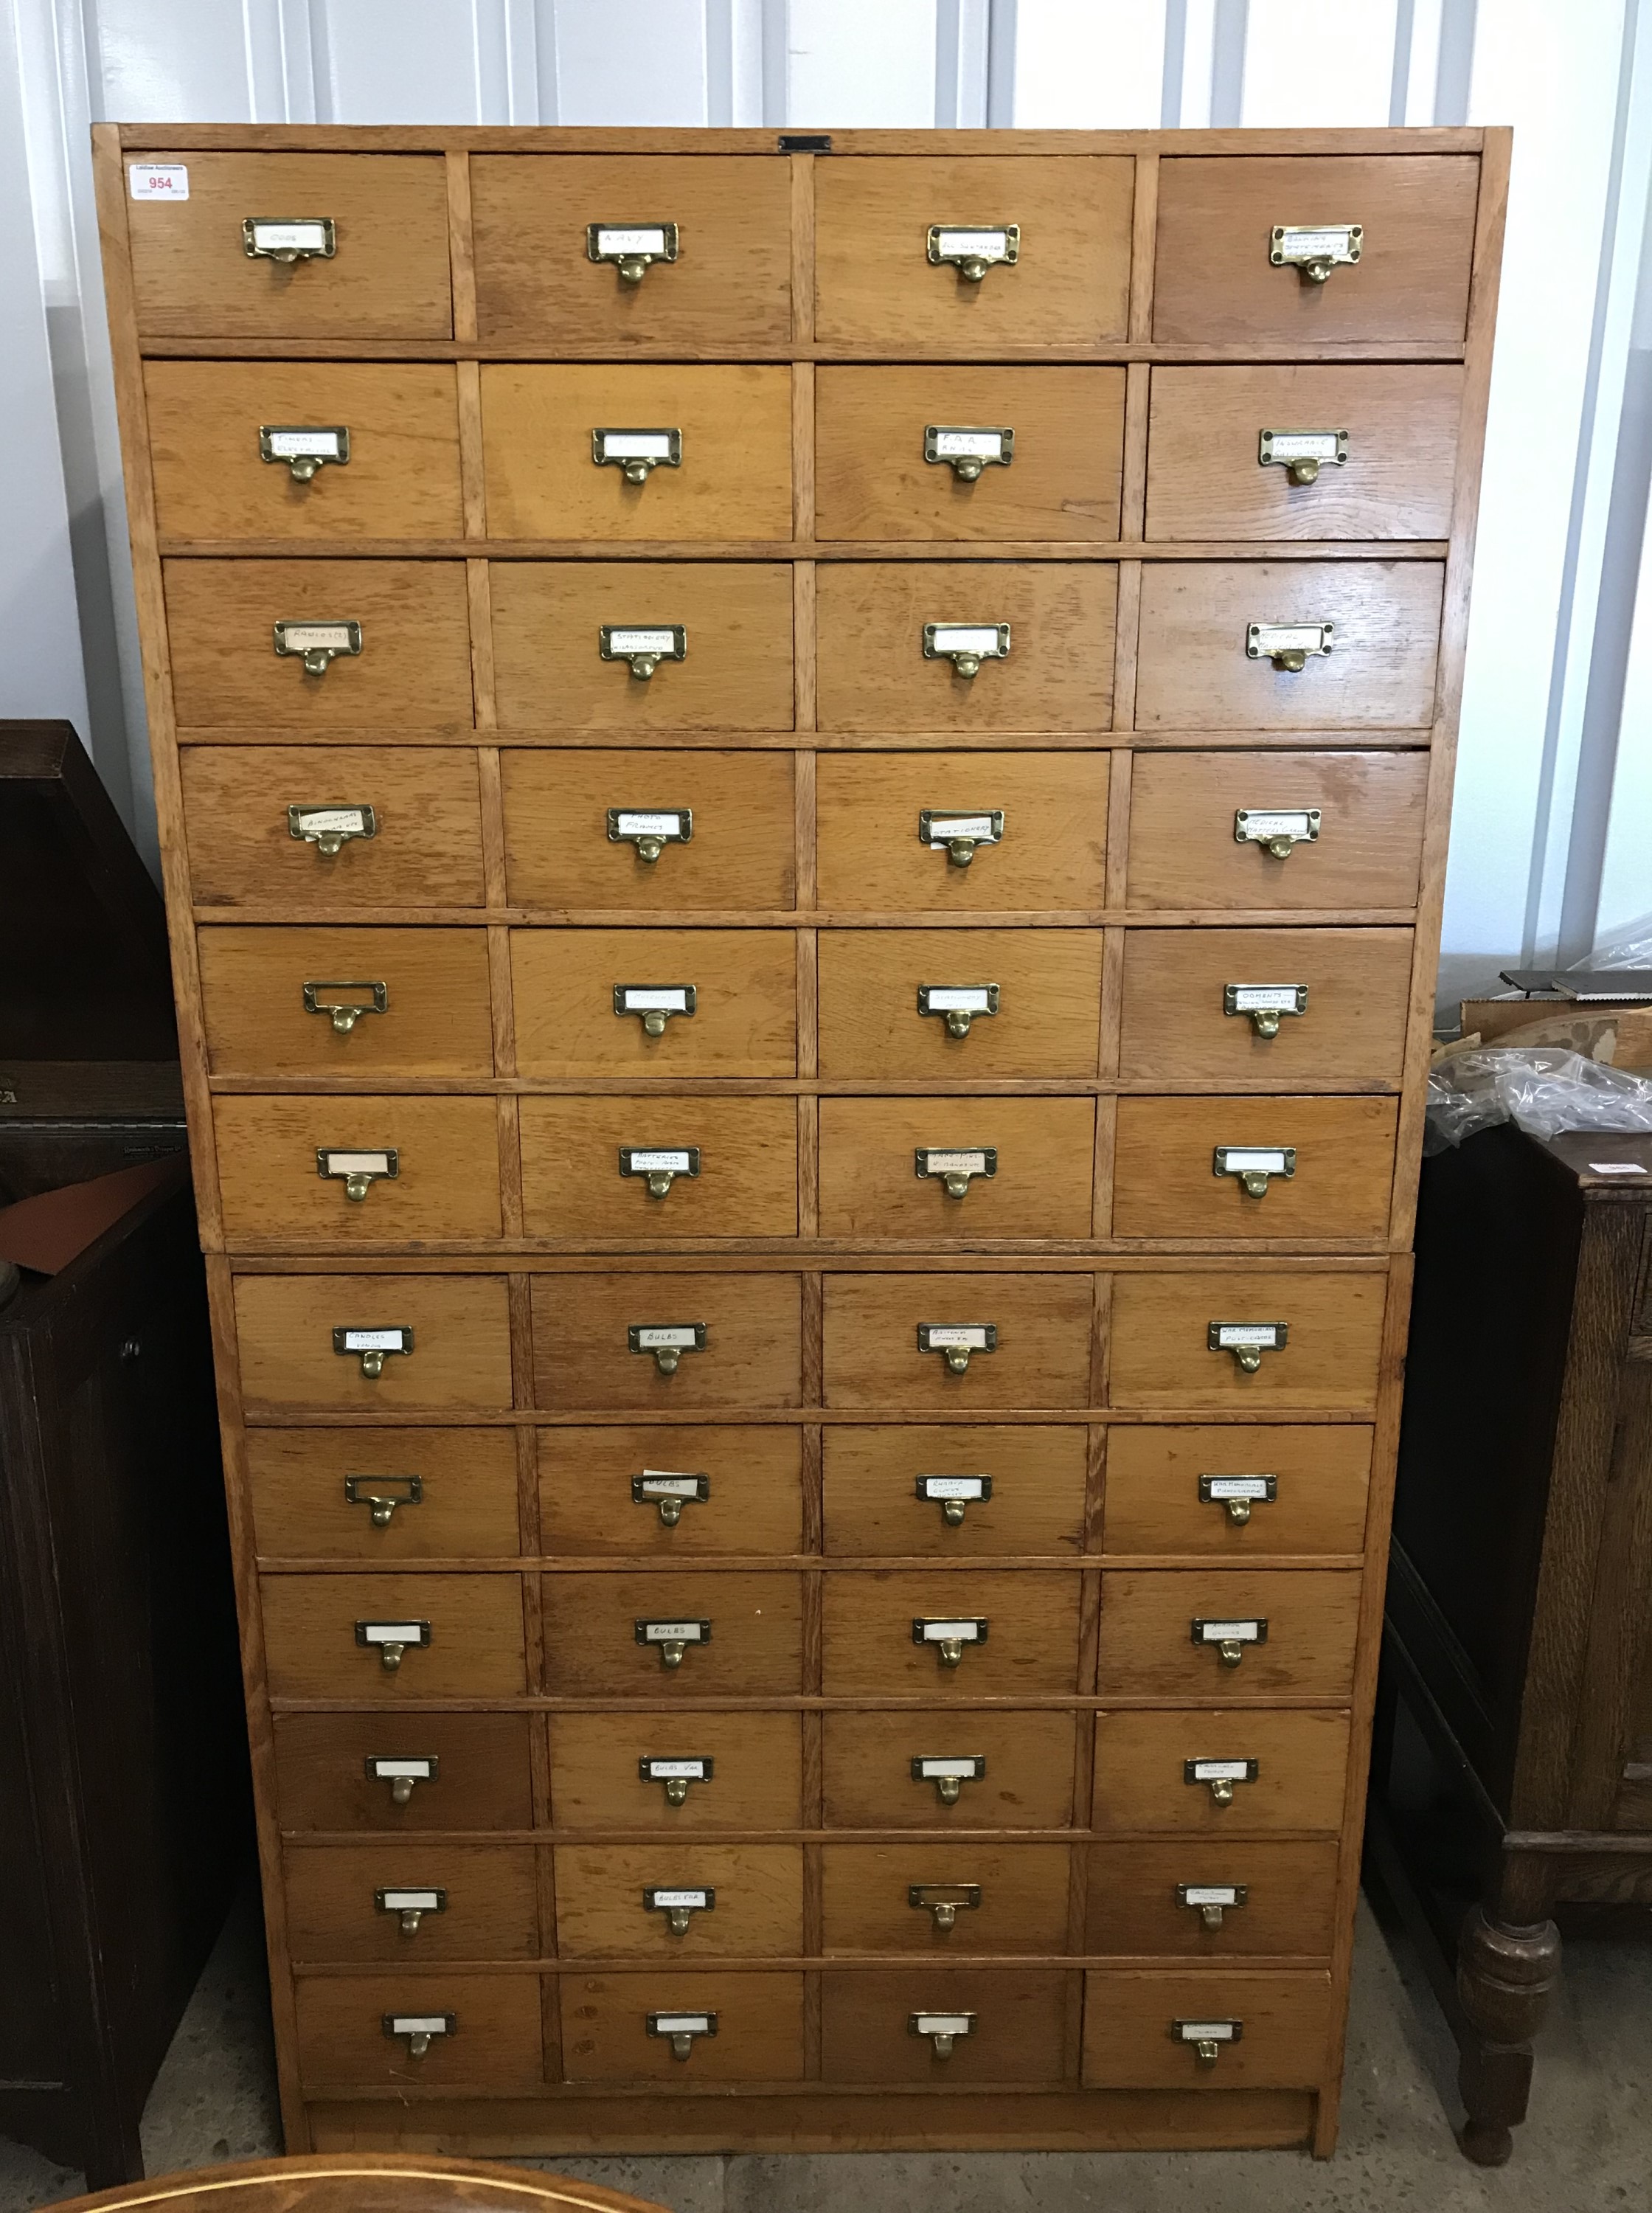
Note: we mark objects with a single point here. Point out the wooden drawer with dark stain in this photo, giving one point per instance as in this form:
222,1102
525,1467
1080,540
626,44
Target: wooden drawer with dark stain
472,1902
1179,1168
666,1494
1220,1774
458,1355
396,1773
435,1018
988,1769
749,1772
971,1898
732,1165
1163,1324
1286,1905
1037,1354
1228,1632
884,1164
1299,1489
328,1637
383,1496
607,2035
873,1023
743,1021
1009,2025
1009,1630
285,1169
753,1904
606,1636
1269,2032
583,1356
1016,1491
490,2038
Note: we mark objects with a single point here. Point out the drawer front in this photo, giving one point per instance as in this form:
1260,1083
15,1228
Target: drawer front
740,812
383,1496
460,1356
1175,1025
347,1902
387,278
1057,676
1060,479
445,1153
1028,1486
1049,853
1016,2030
971,1898
1274,2031
874,283
744,1021
734,673
537,282
594,1649
1197,672
758,2036
412,672
1135,1903
883,1167
436,1019
1042,1355
1221,1633
1207,477
473,1629
1330,1358
494,2043
871,1623
582,1354
473,1772
1185,849
1155,1476
732,480
425,849
1049,1003
750,1476
396,475
750,1771
1295,1772
1013,1771
580,1177
1174,1173
752,1908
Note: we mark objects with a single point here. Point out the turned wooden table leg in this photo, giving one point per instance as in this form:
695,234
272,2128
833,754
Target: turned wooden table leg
1505,1973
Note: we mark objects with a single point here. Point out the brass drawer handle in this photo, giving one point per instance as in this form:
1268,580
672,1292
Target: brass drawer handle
317,644
1211,1901
288,238
329,829
942,2029
959,1004
1229,1639
1251,1165
682,2029
359,1172
671,1639
641,648
951,1637
1247,1341
955,1341
1301,454
654,1003
1238,1494
658,1166
953,1493
403,1775
675,1774
957,834
968,451
393,1639
373,1347
954,1170
966,645
678,1906
382,1494
631,248
666,1342
948,1771
638,454
649,831
1265,1005
1220,1777
419,2030
345,1003
1275,830
670,1493
1315,249
305,450
944,1901
972,248
411,1907
1289,646
1207,2038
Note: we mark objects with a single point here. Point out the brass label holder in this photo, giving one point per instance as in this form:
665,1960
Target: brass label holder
419,2030
1277,830
966,451
373,1347
954,1494
651,829
957,834
958,1004
305,449
1301,454
671,1639
1221,1778
957,1342
630,248
944,1902
653,1004
402,1773
1265,1005
972,248
1289,646
966,645
1237,1495
675,1774
1228,1639
1246,1341
392,1640
678,1906
329,829
288,238
359,1172
1212,1901
682,2029
669,1493
409,1907
942,2029
1207,2038
665,1343
1252,1166
382,1494
317,644
345,1002
641,646
658,1166
948,1771
638,454
950,1636
954,1170
1315,249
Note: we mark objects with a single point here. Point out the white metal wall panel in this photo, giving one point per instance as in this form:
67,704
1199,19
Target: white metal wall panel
1305,63
1089,65
870,63
630,61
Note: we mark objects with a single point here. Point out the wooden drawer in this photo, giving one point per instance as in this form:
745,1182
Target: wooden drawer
460,1355
758,2036
1281,2026
478,1774
1147,1639
1165,1183
752,1355
1025,1761
575,1182
437,1018
875,480
1042,1151
1049,1016
413,671
1320,1474
1214,281
536,282
592,1648
1020,1905
753,1490
447,1162
1017,2032
872,855
735,672
451,1493
741,810
543,480
311,1626
1185,851
1143,1777
755,1910
876,285
1160,1354
1057,674
744,1022
1205,477
868,1641
1289,1908
1196,673
753,1777
397,479
871,1489
1174,1024
494,2044
489,1902
425,849
387,278
1042,1356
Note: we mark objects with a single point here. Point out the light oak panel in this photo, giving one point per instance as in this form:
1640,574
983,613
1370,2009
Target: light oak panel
1159,1356
752,1355
1018,2035
871,1502
491,1909
1048,1022
754,1476
754,1783
605,2026
445,1185
461,1340
871,1187
757,1911
436,1019
865,1905
1027,1781
572,1185
1153,1502
591,1648
467,1507
1042,1357
1289,1906
1141,1779
475,1648
1031,1646
1164,1182
745,1021
1147,1646
494,2045
1128,2042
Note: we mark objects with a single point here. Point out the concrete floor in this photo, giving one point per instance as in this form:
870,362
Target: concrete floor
1586,2148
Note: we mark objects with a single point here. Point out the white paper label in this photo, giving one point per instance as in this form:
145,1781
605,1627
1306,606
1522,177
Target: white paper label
641,641
360,1164
949,998
1334,240
284,444
955,1163
349,820
639,239
978,245
1206,2031
966,638
645,998
656,1485
943,2024
943,1335
682,2024
667,1163
165,180
672,1632
649,825
1238,1486
988,444
387,1770
1210,1893
1264,998
676,1770
373,1340
1238,1159
413,1901
418,2024
942,1770
679,1335
1288,637
1616,1167
392,1632
290,237
1285,822
636,446
952,1487
964,1632
1245,1335
1222,1771
1302,445
944,827
305,638
663,1897
1230,1632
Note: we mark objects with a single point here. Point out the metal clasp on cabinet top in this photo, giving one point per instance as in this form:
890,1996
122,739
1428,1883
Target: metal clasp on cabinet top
972,248
632,248
304,449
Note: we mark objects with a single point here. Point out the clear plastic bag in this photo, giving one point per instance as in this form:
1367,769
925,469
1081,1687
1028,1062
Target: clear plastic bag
1632,950
1542,1090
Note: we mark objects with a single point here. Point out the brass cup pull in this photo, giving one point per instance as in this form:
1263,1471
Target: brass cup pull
972,248
403,1775
959,1004
382,1495
638,454
411,1907
676,1787
950,1639
669,1493
288,239
944,1902
372,1347
677,1920
1207,2039
949,1788
952,1513
678,1906
681,2029
357,1171
630,248
942,2029
956,1342
390,1655
671,1652
409,1921
345,1002
419,2031
401,1788
671,1639
304,449
1229,1640
1230,1652
951,1649
1222,1790
317,644
674,1775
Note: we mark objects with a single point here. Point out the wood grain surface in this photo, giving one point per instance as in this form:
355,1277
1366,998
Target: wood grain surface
1141,1782
756,1911
754,1782
467,1507
1153,1502
871,1502
1026,1782
753,1502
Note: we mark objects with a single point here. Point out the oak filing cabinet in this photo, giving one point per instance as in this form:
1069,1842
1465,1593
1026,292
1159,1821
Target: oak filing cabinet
804,788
